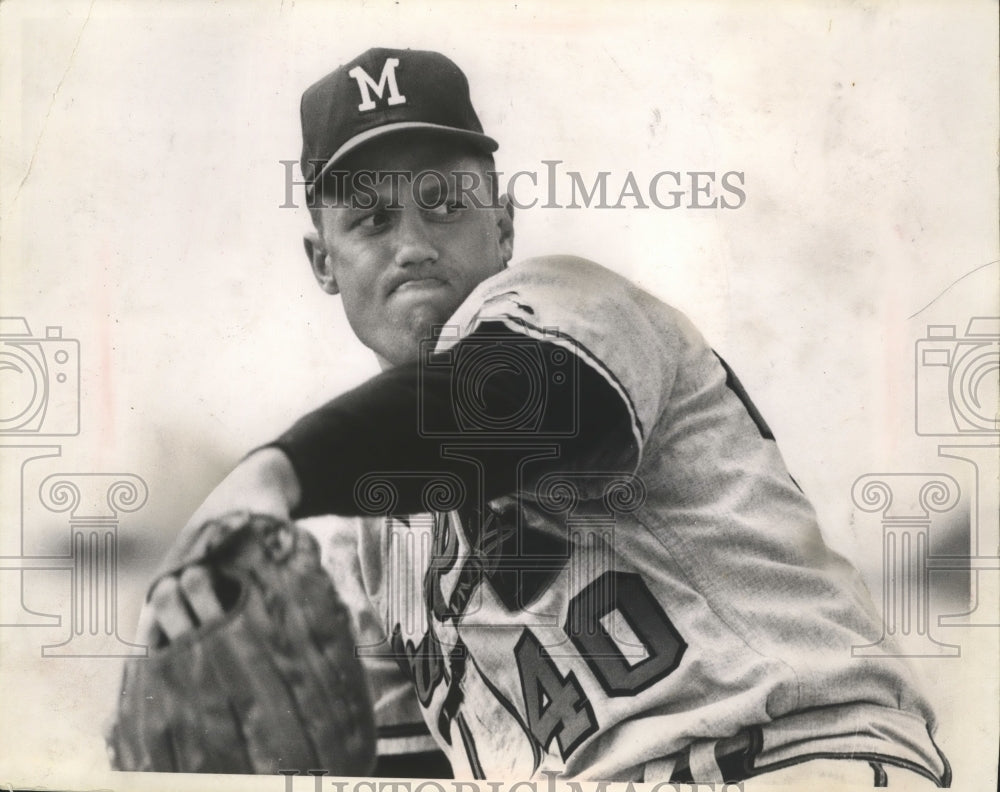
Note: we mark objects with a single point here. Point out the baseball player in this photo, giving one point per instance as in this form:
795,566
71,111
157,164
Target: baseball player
576,528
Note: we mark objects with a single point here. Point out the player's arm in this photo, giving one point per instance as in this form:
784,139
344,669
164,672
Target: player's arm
377,427
263,483
313,468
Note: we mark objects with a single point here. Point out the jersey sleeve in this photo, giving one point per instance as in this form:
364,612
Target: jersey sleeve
607,324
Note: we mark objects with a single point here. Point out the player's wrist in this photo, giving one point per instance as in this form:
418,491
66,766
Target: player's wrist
264,482
274,472
268,479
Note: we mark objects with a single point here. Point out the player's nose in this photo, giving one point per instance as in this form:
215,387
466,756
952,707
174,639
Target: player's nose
414,242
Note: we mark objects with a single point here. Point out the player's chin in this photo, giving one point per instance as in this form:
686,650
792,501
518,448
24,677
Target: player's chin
421,315
415,332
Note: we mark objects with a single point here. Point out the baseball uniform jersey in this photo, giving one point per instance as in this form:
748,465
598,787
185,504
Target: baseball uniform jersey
661,615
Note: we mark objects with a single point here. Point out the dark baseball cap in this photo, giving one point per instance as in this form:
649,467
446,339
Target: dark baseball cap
384,91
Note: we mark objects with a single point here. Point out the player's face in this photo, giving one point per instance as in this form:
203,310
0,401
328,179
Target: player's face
405,253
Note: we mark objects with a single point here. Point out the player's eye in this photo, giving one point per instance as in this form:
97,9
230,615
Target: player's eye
446,207
374,220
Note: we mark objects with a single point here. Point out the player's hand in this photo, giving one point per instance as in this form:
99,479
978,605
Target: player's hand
263,483
178,604
275,685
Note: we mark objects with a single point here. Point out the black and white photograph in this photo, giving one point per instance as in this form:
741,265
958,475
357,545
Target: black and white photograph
499,396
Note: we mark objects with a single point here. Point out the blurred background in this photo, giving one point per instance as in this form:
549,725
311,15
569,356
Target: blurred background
161,319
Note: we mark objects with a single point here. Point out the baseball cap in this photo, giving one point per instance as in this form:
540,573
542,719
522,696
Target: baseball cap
384,91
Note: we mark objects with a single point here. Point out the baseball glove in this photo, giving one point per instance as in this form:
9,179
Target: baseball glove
274,685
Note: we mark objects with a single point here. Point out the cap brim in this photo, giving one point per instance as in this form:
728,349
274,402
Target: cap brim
483,141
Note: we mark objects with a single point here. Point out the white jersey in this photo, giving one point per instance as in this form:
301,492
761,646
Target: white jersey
618,624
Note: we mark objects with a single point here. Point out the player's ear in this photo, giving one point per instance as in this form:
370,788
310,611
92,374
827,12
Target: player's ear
505,227
320,262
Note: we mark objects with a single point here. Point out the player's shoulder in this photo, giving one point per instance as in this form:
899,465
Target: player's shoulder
562,270
564,282
568,291
575,285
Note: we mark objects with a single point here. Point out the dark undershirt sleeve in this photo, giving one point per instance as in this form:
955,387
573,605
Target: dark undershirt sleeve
399,421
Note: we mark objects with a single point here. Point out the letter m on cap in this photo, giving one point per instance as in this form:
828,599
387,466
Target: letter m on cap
387,78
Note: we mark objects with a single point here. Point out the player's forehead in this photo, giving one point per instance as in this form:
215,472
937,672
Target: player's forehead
395,165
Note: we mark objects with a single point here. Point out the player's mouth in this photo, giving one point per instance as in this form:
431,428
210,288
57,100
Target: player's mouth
416,285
